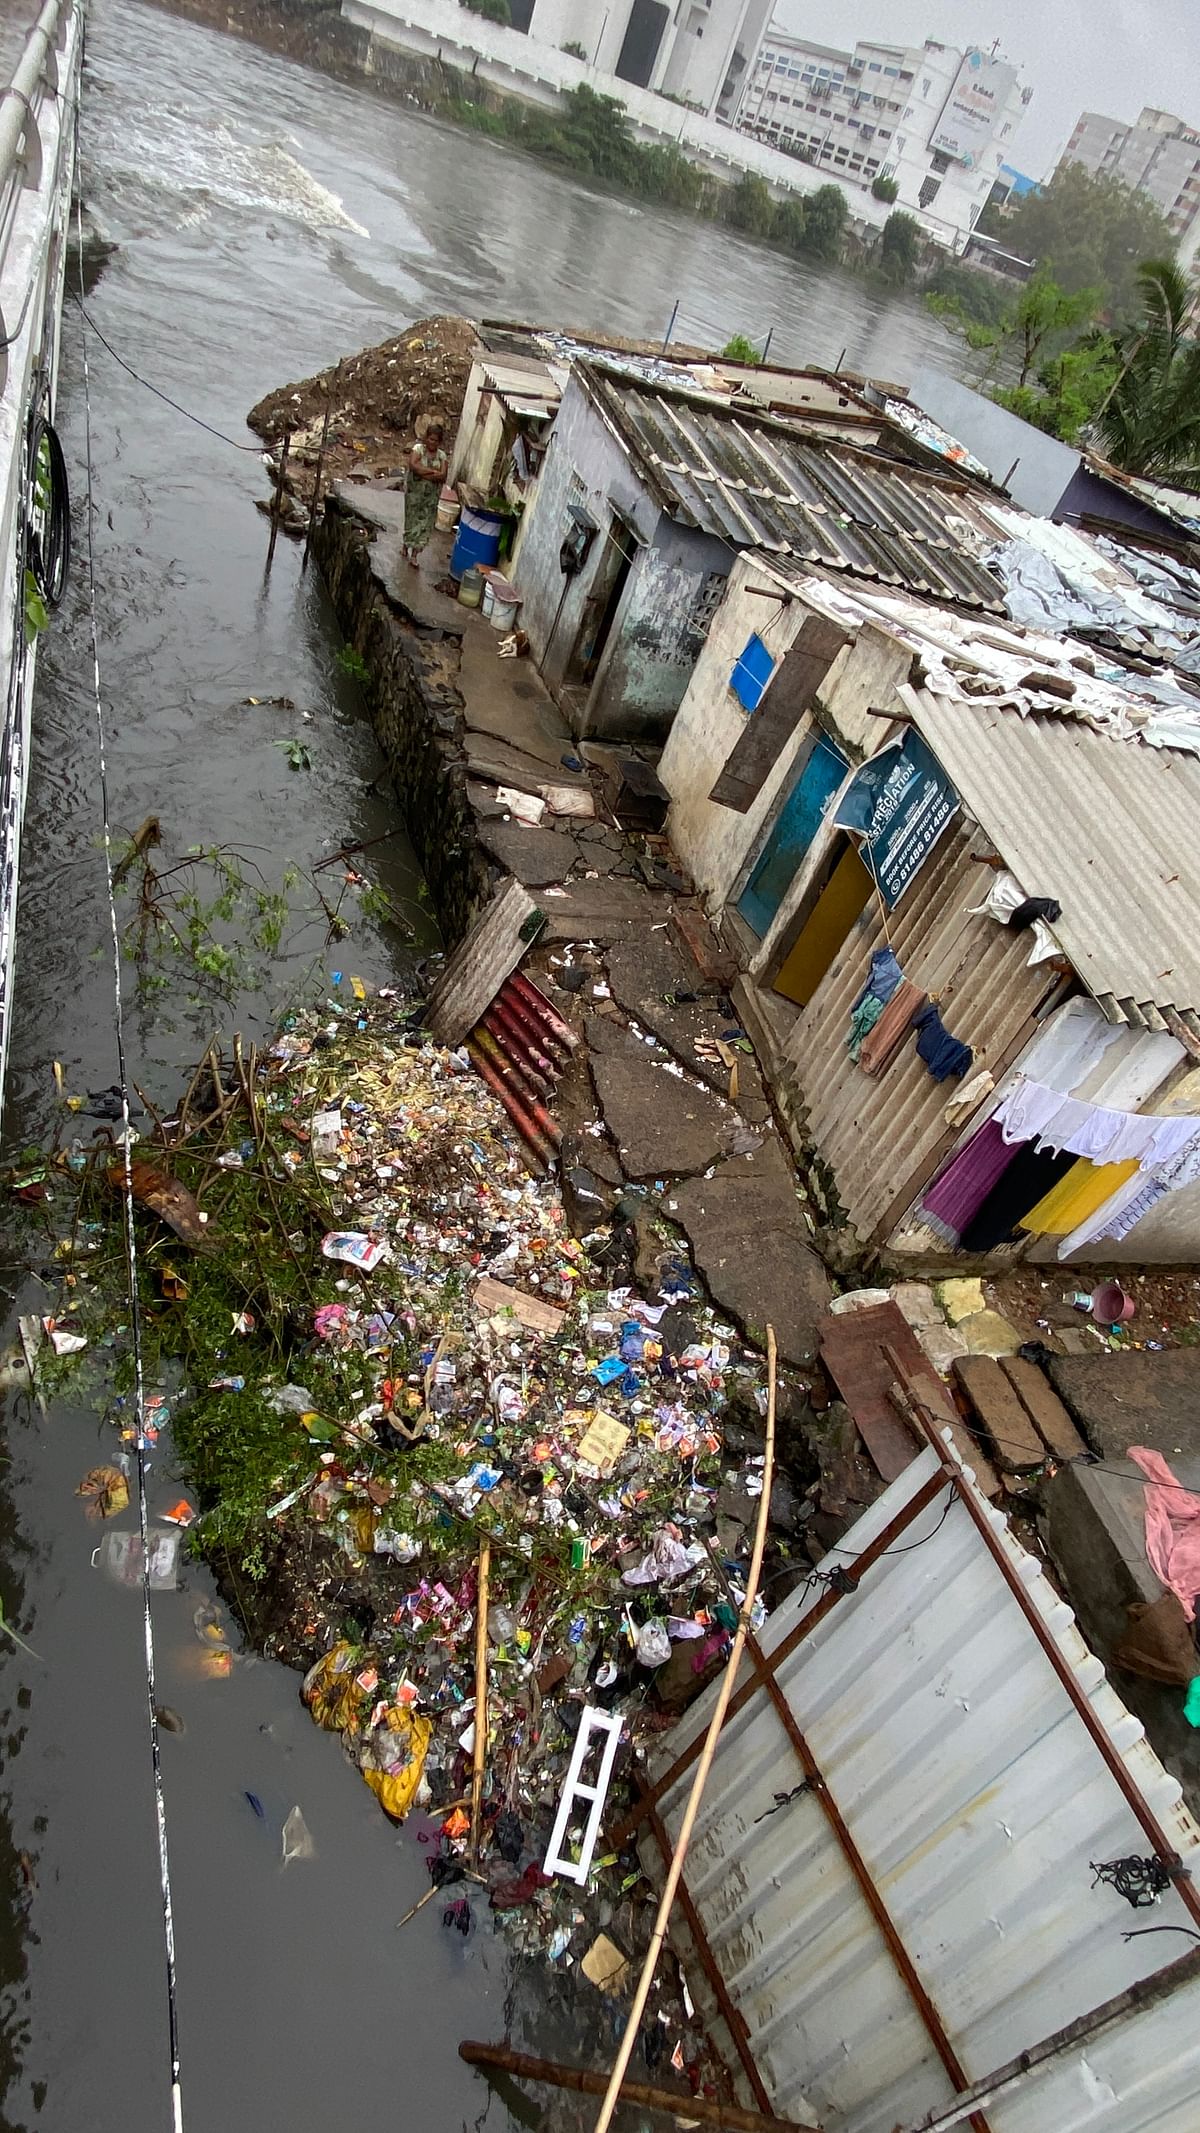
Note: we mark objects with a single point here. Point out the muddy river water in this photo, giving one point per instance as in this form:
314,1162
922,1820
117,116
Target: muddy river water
266,220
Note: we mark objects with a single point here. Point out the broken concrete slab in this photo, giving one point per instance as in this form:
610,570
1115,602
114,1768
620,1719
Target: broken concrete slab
488,757
604,911
751,1243
645,975
536,856
1132,1396
663,1125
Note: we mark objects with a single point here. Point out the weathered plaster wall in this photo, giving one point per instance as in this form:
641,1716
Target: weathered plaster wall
652,652
716,842
581,444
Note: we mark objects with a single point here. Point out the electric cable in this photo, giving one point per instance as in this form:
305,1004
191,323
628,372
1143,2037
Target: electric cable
157,390
135,1320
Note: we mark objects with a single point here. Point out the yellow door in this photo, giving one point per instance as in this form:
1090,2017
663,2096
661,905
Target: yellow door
839,906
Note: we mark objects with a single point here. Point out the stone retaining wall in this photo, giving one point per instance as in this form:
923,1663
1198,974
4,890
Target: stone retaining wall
416,712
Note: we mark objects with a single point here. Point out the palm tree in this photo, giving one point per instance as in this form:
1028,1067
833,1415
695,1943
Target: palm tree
1150,423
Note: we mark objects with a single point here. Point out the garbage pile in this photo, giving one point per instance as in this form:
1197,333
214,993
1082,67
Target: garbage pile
393,1376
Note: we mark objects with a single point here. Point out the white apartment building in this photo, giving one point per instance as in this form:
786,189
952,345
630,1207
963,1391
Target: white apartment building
938,119
1158,155
696,51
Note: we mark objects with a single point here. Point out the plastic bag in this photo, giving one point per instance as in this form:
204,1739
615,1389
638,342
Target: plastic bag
331,1692
653,1644
391,1758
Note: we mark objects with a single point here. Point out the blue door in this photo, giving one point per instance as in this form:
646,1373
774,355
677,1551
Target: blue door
795,827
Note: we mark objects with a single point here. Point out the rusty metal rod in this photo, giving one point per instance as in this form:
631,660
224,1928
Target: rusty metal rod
935,2028
733,2018
678,2103
1158,1986
795,1637
683,1838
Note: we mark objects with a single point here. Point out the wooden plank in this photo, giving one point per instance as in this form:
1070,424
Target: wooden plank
1018,1446
1044,1408
864,1356
788,697
479,967
852,1350
529,1311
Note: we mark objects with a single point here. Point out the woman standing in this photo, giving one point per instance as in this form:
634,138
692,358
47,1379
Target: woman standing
427,467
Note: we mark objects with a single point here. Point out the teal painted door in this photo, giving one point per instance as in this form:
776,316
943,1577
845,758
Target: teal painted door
795,827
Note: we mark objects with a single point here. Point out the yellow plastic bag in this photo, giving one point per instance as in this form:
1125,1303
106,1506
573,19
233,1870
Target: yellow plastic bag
401,1741
331,1692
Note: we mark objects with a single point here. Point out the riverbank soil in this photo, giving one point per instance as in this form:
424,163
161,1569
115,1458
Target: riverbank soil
373,400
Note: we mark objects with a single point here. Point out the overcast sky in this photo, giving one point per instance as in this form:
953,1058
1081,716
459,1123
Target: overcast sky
1078,55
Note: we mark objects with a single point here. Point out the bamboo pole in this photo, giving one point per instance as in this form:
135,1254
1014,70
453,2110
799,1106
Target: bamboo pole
691,1811
481,1696
585,2083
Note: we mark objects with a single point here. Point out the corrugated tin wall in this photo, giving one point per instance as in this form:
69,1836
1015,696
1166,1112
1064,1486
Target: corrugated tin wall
875,1134
978,1800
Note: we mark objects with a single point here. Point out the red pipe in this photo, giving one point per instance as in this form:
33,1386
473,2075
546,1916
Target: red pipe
543,1012
529,1085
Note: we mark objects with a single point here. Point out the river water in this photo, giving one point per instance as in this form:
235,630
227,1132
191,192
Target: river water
266,221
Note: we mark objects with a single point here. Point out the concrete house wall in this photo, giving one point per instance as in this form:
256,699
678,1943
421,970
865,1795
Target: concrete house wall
653,644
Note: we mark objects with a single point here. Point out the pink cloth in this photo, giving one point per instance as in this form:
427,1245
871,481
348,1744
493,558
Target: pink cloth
962,1189
1172,1528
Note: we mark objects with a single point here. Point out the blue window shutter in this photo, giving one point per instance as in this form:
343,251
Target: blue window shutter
751,674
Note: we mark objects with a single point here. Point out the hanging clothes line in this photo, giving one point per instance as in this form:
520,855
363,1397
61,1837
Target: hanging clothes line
1030,1111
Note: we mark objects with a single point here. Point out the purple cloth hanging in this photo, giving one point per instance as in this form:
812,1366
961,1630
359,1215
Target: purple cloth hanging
962,1189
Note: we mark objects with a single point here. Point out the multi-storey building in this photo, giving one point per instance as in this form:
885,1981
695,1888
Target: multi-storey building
693,50
937,119
1158,155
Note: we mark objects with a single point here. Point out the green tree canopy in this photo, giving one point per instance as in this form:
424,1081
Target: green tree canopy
825,217
749,206
1090,232
1150,423
790,224
901,244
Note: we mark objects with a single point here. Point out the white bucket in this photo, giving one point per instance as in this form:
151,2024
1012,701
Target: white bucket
447,510
502,613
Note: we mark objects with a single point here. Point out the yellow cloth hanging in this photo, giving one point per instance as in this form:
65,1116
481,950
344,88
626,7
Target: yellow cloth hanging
1080,1193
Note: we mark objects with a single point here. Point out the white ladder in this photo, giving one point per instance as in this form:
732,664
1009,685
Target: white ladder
591,1723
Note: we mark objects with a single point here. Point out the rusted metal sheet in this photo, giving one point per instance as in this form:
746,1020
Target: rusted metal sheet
876,1134
979,1762
861,1351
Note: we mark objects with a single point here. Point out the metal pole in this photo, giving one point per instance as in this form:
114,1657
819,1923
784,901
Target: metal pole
1010,2076
671,328
481,1695
316,495
277,505
586,2083
767,343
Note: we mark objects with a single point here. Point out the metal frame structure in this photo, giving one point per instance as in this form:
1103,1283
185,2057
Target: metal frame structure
951,1482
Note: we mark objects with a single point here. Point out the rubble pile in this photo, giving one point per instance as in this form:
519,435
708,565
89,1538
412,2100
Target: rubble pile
374,399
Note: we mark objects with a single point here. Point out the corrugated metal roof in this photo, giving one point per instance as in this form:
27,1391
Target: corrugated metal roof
756,484
978,1800
1109,829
